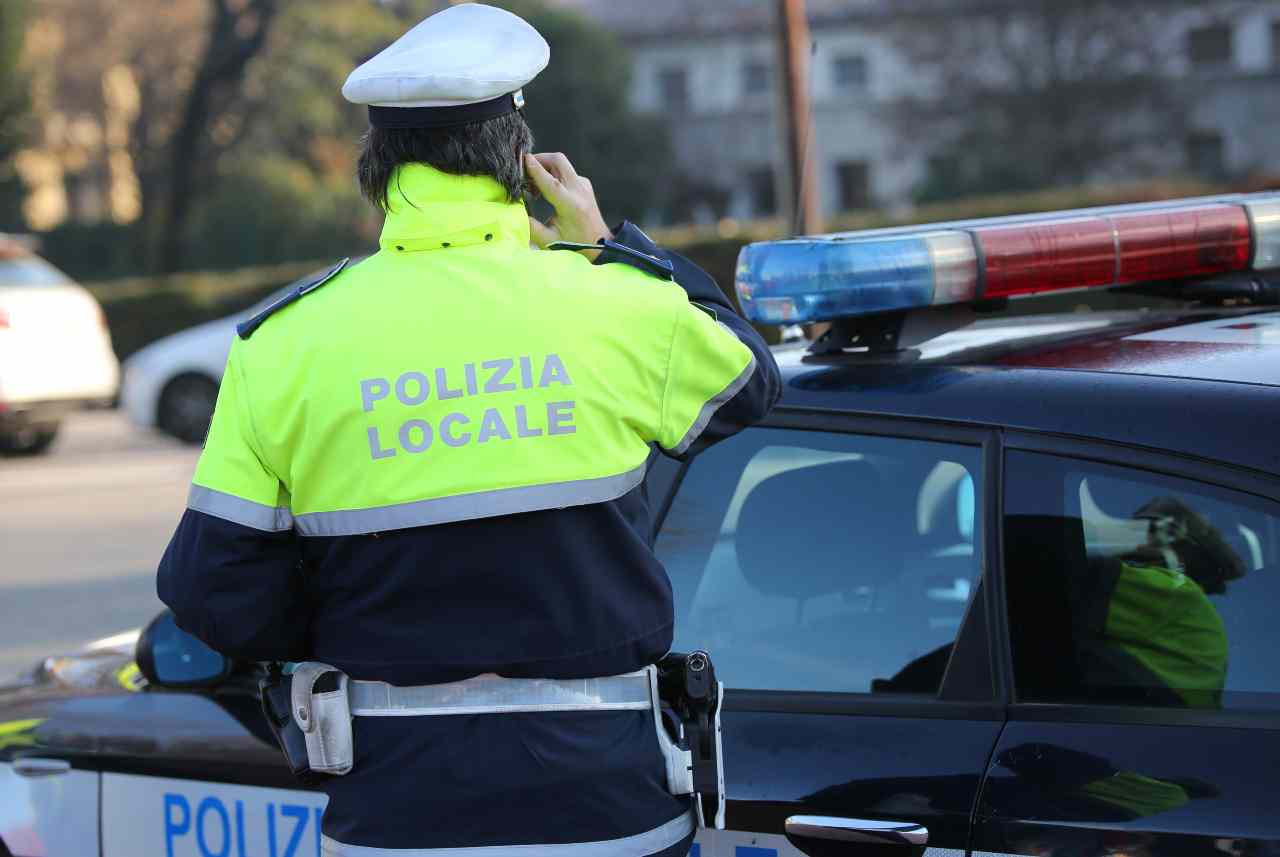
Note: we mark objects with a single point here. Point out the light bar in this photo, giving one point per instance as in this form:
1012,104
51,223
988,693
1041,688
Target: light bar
817,279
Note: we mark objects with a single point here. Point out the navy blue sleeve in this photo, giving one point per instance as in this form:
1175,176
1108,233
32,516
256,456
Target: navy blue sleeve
758,396
237,588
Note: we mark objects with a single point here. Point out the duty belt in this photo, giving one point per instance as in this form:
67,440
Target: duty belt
311,709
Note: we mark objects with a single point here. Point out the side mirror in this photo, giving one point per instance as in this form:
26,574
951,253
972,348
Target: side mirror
170,657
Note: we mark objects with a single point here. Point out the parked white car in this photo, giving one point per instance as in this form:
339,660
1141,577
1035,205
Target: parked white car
55,350
172,384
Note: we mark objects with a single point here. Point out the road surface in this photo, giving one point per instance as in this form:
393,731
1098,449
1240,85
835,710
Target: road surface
81,530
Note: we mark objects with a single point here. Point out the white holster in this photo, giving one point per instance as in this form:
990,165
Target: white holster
324,718
680,778
679,761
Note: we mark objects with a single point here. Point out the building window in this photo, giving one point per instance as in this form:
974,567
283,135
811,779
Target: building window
673,88
1205,154
1210,46
850,71
853,183
755,79
764,198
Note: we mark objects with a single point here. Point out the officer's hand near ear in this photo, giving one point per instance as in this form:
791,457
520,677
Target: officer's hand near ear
577,216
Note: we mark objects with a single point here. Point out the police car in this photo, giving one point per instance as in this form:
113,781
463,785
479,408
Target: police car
986,582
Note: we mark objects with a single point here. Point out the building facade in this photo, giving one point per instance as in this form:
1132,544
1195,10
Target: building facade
710,68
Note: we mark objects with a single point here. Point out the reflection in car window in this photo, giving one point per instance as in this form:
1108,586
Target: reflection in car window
815,561
1127,587
29,271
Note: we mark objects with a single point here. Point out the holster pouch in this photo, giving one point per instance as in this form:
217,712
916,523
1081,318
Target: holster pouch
678,758
693,746
310,715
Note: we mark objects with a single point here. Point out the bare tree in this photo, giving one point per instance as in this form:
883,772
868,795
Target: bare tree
171,105
14,110
162,67
179,66
212,118
1027,94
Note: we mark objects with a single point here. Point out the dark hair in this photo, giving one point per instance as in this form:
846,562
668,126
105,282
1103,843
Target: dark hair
493,147
1206,556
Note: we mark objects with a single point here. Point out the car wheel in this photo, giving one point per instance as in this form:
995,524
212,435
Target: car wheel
29,440
186,407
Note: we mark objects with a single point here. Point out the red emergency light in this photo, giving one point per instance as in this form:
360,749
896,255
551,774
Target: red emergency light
859,273
1112,250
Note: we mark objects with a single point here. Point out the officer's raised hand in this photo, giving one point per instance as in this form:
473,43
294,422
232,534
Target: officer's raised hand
577,216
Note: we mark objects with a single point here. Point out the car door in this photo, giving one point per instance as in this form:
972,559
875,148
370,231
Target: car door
832,566
1142,597
122,773
46,807
197,773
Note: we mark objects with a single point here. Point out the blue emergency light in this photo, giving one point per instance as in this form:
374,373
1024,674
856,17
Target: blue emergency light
826,277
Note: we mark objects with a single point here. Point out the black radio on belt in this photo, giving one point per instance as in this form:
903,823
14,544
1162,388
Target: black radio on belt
688,684
276,692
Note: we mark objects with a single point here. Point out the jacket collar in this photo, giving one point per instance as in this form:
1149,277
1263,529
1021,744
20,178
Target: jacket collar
433,210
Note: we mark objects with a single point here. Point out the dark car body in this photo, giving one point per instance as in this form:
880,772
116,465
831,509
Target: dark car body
898,576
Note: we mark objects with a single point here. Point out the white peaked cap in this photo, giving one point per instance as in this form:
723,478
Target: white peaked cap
468,54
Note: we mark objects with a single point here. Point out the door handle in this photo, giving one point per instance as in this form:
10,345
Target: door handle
858,830
32,767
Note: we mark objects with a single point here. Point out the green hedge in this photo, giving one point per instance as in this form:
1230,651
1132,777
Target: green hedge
141,310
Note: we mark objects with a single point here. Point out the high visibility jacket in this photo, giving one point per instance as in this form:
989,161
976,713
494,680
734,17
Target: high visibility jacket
1163,619
431,467
1157,635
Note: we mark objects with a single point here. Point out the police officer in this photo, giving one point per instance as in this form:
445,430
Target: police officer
426,471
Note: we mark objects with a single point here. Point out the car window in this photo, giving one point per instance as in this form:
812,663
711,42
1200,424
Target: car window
26,270
807,560
1127,587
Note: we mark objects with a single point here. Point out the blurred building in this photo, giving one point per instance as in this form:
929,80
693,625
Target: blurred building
710,67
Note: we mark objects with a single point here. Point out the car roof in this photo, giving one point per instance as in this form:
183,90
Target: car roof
1197,382
1236,347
